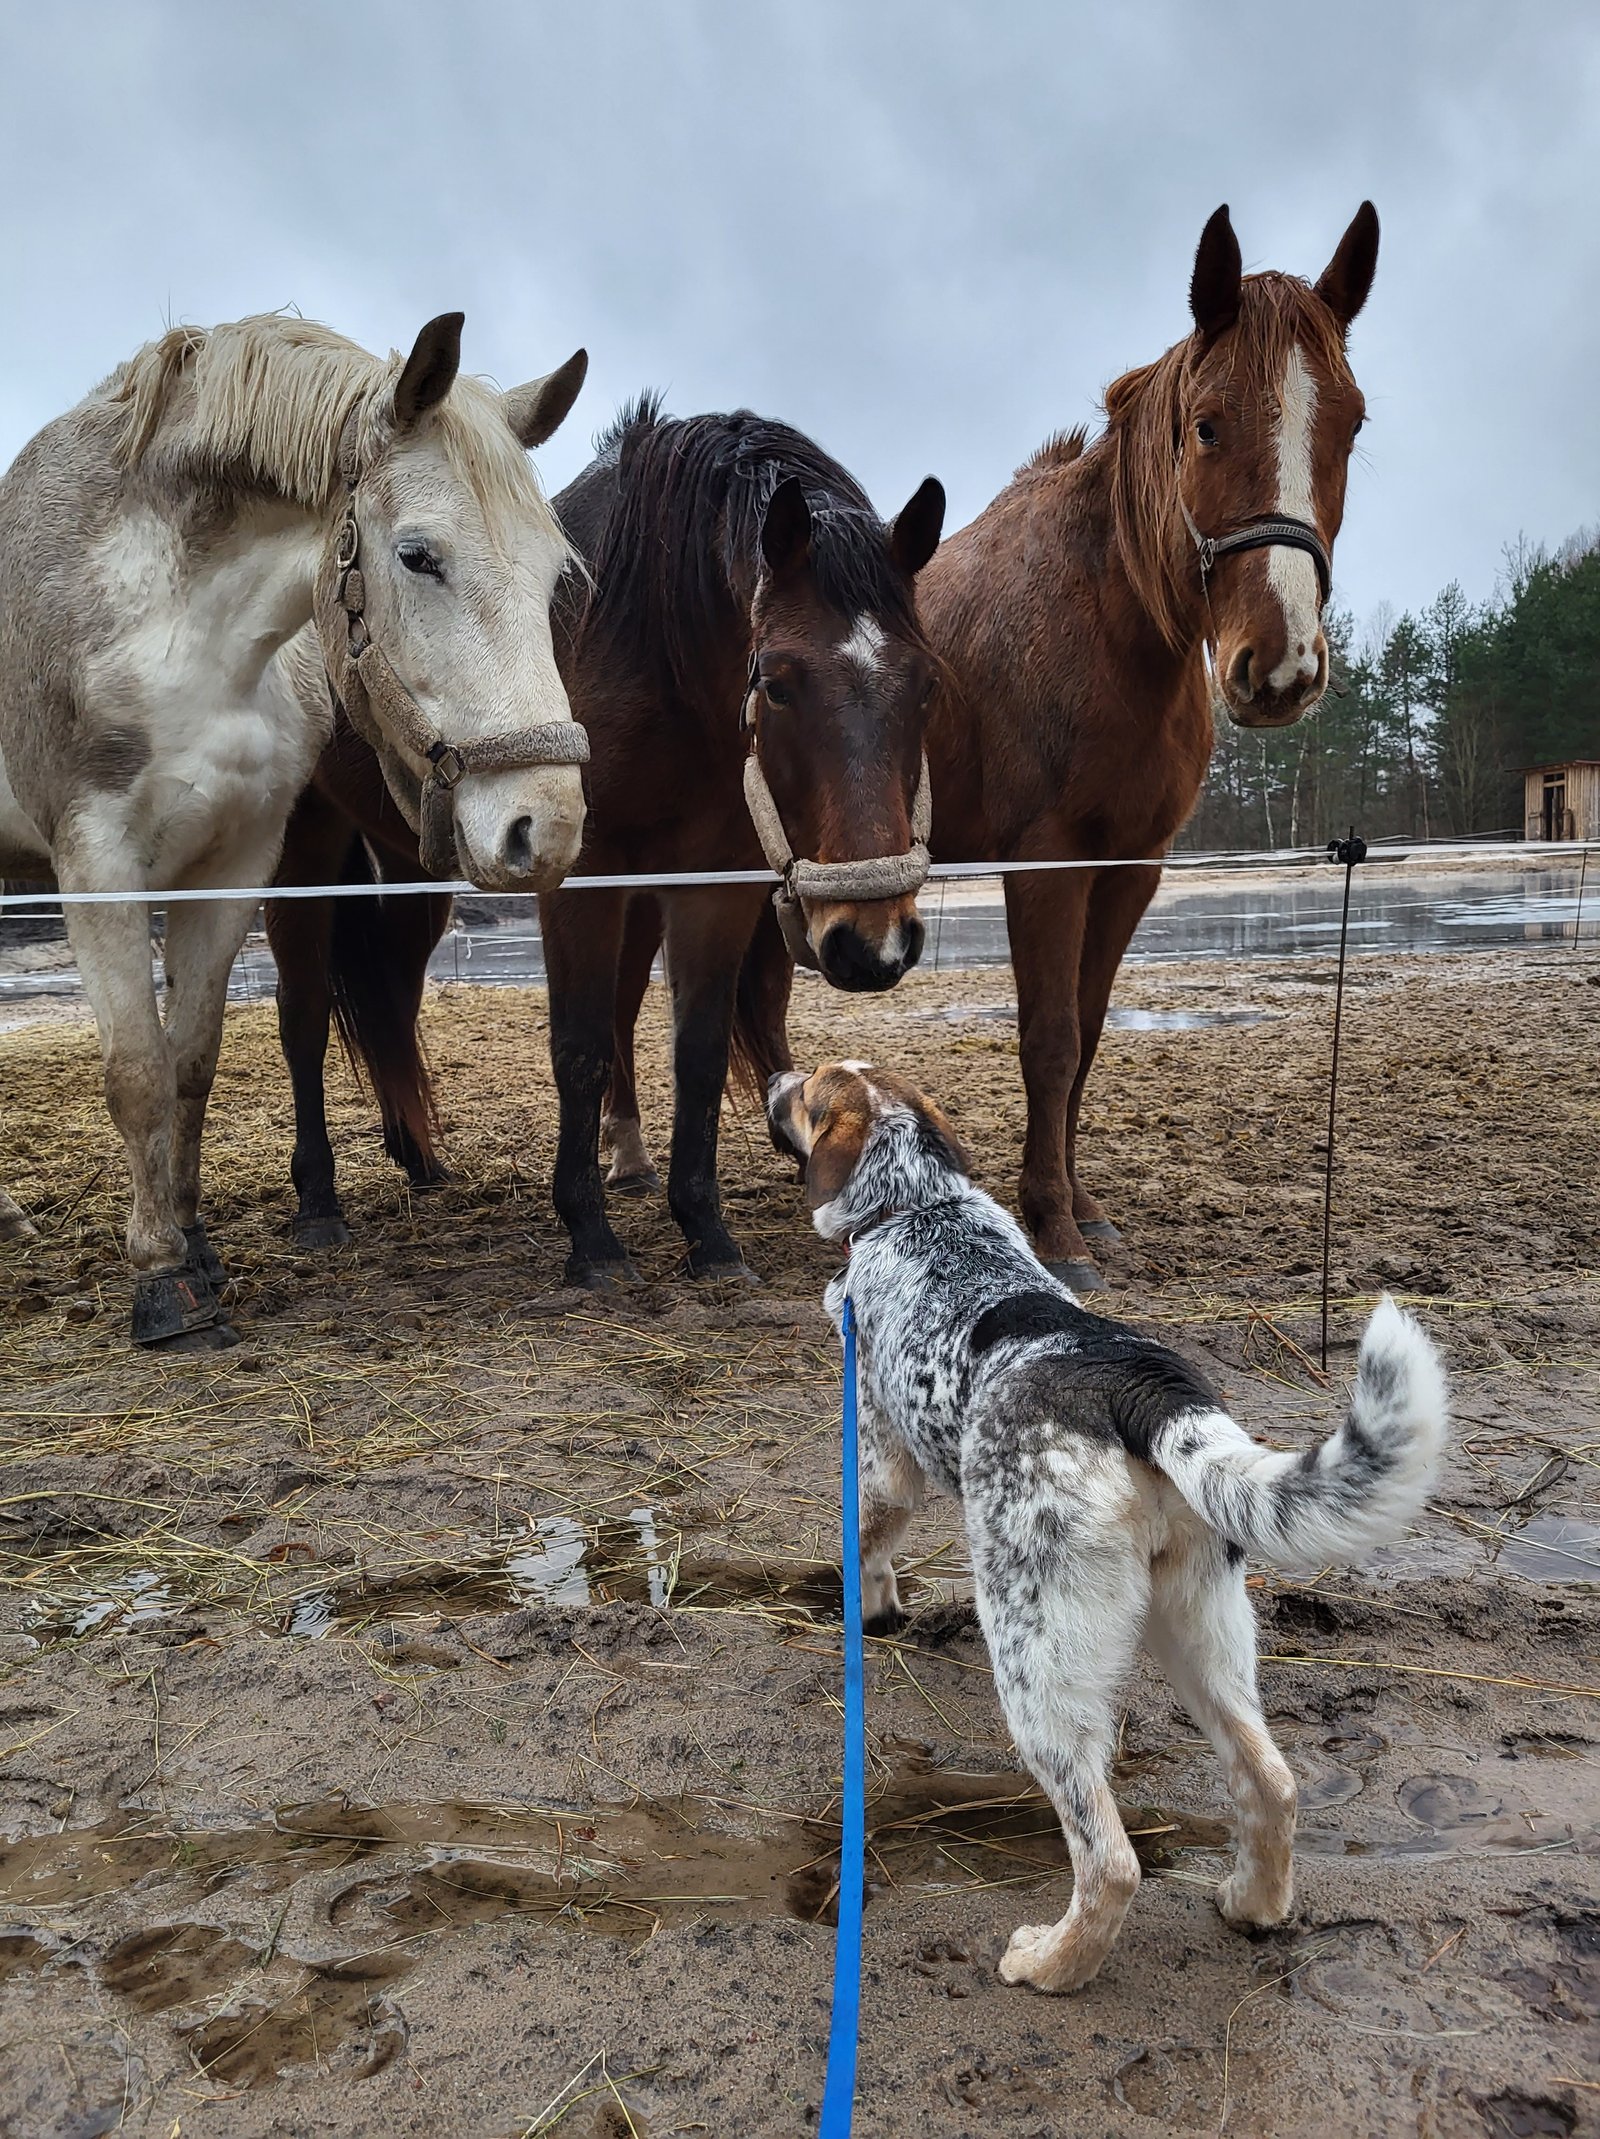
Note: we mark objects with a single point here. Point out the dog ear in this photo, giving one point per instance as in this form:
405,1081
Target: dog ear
838,1138
941,1137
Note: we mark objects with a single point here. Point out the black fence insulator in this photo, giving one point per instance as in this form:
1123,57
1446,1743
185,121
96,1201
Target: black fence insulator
1347,852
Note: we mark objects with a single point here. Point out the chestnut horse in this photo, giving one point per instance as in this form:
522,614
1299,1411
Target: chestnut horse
1074,618
732,563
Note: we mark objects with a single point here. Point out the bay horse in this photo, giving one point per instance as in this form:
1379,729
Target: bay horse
1075,619
745,647
185,557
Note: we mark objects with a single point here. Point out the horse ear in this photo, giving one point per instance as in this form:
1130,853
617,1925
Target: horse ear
914,536
1214,290
786,528
1345,281
536,411
430,370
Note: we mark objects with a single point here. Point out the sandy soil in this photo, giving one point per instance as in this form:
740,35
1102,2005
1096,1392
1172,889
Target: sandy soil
425,1718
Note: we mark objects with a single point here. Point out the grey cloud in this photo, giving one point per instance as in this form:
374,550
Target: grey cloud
929,235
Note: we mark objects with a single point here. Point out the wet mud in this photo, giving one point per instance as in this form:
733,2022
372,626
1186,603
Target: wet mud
425,1717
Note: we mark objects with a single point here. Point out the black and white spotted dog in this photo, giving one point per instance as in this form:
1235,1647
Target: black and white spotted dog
1107,1494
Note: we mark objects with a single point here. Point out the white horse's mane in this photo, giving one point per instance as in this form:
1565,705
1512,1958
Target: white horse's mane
268,400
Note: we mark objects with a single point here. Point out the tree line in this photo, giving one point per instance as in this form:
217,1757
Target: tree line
1429,718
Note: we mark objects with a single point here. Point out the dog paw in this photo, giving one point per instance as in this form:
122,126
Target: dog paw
1023,1959
1249,1906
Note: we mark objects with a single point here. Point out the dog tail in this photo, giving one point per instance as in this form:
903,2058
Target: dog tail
1359,1489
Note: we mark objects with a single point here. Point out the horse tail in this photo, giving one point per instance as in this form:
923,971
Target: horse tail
759,1045
377,960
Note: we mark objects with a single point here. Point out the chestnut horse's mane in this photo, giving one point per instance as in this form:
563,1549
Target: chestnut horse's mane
681,544
1144,417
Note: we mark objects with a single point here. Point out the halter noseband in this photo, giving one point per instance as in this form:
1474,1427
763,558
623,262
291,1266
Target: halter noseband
363,680
884,876
1279,532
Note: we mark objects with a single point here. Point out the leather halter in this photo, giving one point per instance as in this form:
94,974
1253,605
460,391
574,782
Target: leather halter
1278,532
884,876
363,681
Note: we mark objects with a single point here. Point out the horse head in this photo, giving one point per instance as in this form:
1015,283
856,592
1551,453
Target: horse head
1266,413
840,684
434,611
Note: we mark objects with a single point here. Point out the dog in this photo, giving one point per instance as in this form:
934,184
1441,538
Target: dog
1108,1496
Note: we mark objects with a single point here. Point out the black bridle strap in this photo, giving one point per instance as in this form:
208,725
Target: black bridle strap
1280,532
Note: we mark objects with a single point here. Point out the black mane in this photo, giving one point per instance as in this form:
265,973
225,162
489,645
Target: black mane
681,541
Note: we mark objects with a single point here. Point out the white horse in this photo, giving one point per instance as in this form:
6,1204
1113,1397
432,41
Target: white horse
163,548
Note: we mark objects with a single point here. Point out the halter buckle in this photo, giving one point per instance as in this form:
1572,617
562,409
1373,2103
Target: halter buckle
348,544
448,765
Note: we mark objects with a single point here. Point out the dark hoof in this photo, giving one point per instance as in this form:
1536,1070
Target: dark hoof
634,1184
1081,1277
601,1277
884,1623
1101,1229
424,1177
216,1337
204,1260
173,1304
320,1232
719,1265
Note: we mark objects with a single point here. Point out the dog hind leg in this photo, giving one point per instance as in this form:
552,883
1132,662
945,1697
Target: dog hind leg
1202,1632
1062,1590
891,1493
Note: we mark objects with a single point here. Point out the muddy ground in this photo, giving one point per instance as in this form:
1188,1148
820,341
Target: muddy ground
425,1718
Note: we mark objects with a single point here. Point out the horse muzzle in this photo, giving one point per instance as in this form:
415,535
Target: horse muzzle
864,959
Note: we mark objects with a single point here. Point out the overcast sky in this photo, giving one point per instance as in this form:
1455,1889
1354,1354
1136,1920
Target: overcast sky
928,234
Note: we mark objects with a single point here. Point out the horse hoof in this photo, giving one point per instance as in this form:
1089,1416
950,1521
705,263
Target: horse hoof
425,1177
204,1260
1078,1276
735,1273
173,1304
601,1277
1101,1229
215,1337
634,1184
320,1233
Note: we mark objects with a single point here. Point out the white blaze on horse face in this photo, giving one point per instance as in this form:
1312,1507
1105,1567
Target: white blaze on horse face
1291,574
473,644
865,644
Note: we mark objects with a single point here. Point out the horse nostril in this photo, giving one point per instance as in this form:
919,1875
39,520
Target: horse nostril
516,849
915,937
1240,672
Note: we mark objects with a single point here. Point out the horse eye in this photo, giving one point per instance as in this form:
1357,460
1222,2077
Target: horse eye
1356,432
1206,432
928,690
417,557
777,695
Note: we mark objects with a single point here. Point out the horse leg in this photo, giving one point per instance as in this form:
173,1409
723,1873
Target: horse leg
632,1171
1045,917
582,933
172,1305
1116,907
203,939
707,934
300,932
760,1018
381,949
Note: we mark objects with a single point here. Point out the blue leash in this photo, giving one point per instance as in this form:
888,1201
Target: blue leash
839,2089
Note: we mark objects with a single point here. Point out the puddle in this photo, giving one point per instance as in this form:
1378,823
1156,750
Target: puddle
1546,1548
1121,1019
560,1562
419,1873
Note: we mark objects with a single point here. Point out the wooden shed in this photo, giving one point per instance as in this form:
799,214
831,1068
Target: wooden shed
1563,801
